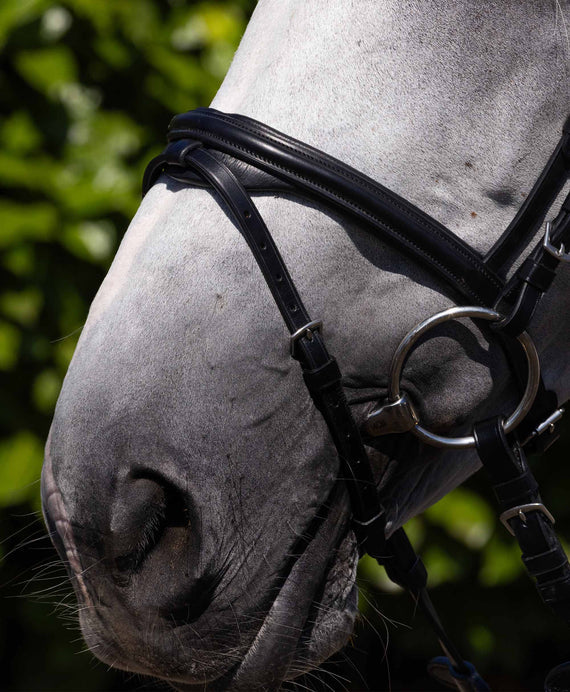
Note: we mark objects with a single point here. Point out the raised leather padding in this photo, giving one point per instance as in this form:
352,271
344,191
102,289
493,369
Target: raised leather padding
327,179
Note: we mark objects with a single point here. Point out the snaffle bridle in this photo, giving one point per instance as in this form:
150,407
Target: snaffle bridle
235,155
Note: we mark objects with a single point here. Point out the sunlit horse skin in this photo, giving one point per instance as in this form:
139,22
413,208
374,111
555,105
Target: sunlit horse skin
186,463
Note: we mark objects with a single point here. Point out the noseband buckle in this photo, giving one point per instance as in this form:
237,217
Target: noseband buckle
306,331
520,511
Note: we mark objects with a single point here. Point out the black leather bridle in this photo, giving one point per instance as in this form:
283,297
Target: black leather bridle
235,155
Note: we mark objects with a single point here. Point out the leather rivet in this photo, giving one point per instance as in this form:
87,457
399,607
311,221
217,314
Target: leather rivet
247,214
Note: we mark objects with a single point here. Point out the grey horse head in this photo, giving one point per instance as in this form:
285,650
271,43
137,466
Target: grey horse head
190,483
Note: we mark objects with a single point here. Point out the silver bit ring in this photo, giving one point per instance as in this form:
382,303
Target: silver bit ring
474,312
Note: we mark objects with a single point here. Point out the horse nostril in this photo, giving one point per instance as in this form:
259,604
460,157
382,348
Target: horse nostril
138,518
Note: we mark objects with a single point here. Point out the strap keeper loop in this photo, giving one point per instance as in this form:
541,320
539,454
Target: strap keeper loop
404,566
328,375
536,274
516,491
545,563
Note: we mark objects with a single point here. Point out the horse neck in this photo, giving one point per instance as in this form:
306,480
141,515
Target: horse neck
454,105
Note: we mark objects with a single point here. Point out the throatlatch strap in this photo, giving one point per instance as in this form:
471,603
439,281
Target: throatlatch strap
524,514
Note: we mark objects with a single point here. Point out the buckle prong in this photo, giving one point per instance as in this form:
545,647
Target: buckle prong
306,331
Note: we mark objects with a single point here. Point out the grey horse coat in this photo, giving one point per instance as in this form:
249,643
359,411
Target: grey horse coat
186,461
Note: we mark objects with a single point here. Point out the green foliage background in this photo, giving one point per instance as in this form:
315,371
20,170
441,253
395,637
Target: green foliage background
87,88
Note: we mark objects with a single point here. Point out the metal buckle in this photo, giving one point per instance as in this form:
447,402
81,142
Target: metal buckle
559,253
520,513
306,331
547,424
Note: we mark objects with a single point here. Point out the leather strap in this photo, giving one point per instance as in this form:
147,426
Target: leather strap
320,371
531,214
328,180
535,276
518,498
323,379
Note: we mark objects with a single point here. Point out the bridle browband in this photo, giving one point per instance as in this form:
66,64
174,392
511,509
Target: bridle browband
235,155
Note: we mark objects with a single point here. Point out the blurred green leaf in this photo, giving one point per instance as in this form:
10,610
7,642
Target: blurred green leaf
90,240
22,306
48,69
181,70
63,351
481,639
113,52
19,260
20,466
207,24
223,22
73,312
175,100
19,134
46,390
37,173
441,566
26,221
465,516
38,347
501,562
14,13
10,339
218,59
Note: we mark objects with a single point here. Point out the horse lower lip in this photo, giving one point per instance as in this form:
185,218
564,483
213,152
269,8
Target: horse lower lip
282,636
